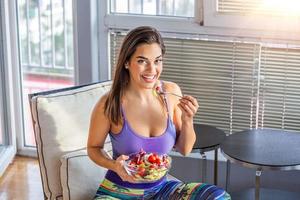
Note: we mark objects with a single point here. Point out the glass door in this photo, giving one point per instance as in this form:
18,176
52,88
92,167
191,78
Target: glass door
46,50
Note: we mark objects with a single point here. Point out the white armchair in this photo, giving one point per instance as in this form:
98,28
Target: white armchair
61,120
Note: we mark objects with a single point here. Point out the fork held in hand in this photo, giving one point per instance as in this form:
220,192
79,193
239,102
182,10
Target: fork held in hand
171,93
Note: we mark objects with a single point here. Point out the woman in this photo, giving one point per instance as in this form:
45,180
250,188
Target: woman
136,118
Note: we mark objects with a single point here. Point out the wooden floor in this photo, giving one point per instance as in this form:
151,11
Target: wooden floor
21,180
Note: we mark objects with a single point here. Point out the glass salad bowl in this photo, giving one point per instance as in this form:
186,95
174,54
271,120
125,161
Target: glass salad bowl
148,167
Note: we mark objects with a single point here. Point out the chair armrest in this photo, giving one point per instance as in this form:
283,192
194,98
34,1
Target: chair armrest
80,176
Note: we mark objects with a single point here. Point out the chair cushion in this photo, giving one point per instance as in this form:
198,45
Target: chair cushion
61,122
80,177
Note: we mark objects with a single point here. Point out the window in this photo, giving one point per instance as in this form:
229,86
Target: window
46,49
178,8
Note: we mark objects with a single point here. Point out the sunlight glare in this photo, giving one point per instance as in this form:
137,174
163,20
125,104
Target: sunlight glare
286,7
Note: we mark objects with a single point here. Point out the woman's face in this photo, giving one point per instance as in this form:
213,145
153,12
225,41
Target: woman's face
145,65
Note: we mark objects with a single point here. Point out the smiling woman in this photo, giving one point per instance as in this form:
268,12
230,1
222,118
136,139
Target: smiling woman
134,119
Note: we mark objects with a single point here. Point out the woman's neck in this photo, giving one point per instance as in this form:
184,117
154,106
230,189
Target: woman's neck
142,94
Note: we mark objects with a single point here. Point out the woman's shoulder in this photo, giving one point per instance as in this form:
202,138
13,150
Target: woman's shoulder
101,102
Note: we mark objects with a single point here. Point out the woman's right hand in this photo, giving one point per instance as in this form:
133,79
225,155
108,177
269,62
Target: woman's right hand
120,170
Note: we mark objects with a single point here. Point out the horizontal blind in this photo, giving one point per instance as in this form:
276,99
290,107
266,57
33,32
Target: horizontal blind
238,6
218,74
280,88
116,39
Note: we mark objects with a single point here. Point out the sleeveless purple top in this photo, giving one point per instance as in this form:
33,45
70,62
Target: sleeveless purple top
128,142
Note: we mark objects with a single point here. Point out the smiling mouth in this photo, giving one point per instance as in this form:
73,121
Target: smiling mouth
149,78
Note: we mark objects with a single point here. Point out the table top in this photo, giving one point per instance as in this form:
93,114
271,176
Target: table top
264,149
207,137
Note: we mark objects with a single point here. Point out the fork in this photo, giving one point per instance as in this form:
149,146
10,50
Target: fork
171,93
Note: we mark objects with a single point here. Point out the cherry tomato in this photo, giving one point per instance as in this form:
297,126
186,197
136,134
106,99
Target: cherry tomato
152,166
152,158
157,161
141,171
132,162
139,162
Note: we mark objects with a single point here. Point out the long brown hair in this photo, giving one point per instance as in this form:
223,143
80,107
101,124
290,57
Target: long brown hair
136,37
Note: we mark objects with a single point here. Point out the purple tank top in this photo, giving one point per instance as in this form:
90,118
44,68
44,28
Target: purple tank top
128,142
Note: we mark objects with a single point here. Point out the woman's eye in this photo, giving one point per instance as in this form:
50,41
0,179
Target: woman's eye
158,61
141,61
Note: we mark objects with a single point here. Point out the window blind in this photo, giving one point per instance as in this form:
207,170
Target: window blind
238,6
221,75
280,88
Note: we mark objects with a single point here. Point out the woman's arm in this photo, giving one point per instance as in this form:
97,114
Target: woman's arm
98,131
184,112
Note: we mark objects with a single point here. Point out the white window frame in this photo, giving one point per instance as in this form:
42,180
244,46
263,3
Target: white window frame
86,36
2,86
11,98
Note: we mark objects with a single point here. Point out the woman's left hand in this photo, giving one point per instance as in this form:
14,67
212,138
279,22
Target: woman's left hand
189,106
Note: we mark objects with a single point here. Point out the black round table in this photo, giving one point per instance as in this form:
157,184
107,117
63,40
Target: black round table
208,138
262,149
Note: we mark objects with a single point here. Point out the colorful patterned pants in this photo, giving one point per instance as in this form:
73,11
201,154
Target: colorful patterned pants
172,190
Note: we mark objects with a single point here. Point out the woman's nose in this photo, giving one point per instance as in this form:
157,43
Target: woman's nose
151,66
